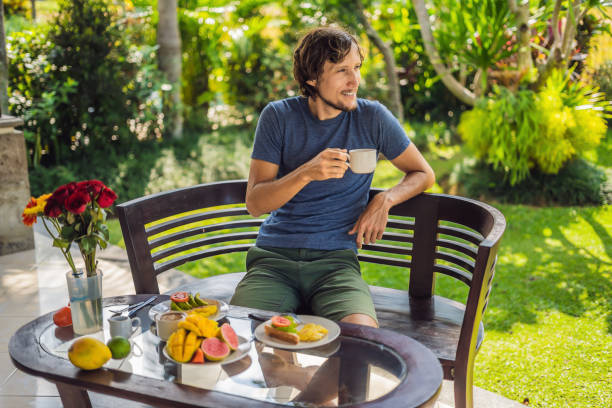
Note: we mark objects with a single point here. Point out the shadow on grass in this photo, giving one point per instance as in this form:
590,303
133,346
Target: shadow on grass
550,260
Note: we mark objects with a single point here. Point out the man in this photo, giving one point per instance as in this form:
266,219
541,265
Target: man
305,254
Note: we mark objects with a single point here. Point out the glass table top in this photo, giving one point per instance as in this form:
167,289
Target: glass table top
347,371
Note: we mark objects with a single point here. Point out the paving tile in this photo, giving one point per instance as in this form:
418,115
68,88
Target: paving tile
17,262
19,384
6,367
8,326
30,402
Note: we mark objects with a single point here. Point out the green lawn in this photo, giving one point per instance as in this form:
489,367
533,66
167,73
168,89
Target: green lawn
549,320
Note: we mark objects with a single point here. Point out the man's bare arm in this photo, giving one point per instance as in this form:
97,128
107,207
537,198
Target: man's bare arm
418,177
266,193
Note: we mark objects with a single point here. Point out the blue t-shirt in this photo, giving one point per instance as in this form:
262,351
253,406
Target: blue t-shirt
322,213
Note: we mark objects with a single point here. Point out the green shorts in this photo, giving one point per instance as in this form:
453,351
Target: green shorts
323,283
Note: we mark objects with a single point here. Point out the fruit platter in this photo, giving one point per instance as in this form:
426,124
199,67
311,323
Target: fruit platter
200,340
191,304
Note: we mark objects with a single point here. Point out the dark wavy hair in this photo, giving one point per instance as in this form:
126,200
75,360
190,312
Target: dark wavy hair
317,46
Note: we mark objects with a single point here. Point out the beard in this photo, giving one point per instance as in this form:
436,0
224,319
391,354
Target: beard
340,106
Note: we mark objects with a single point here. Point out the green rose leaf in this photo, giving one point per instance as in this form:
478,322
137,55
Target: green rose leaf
103,228
102,243
88,244
68,233
61,243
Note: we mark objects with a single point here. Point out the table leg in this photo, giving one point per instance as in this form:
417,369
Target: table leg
73,397
353,381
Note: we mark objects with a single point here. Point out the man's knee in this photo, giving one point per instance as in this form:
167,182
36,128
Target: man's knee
359,318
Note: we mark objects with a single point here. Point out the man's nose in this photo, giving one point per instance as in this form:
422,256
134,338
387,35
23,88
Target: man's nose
354,77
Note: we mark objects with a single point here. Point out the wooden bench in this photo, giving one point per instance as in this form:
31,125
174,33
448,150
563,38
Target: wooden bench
428,235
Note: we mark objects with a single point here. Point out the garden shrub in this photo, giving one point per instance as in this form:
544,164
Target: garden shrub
201,158
602,77
577,183
201,33
80,88
258,68
535,131
14,7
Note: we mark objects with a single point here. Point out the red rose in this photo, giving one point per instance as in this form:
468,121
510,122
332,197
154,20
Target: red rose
93,187
62,193
106,198
77,202
53,208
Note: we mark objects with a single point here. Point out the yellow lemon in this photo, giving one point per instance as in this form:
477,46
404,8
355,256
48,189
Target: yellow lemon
88,353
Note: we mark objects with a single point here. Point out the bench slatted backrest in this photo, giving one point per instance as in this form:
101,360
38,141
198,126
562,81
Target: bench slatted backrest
156,238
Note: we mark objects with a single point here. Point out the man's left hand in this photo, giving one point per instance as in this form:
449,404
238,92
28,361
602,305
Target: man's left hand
372,222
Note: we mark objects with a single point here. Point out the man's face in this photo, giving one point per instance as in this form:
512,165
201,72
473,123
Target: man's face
337,86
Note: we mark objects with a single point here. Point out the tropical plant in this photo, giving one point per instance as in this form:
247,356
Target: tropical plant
483,33
515,133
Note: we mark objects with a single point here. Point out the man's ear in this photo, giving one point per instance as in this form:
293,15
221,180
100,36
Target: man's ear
312,82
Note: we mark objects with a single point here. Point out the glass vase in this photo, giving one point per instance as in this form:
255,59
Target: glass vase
85,302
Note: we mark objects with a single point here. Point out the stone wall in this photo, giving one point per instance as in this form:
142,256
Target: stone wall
14,188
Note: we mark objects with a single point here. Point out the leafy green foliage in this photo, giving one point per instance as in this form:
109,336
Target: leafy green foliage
259,68
201,32
602,77
518,133
577,183
475,31
15,7
80,89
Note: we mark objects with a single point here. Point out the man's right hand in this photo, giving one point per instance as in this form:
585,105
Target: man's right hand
266,193
330,163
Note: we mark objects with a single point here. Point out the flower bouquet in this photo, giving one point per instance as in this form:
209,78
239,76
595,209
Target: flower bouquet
76,213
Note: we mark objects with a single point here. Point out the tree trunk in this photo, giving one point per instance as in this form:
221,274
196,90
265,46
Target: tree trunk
33,3
563,42
169,59
456,88
3,68
394,87
521,16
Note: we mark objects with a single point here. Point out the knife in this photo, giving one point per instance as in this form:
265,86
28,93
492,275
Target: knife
143,304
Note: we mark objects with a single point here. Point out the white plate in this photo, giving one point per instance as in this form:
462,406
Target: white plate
333,331
243,349
164,306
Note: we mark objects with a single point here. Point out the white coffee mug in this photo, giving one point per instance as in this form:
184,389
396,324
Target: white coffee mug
166,323
123,326
362,161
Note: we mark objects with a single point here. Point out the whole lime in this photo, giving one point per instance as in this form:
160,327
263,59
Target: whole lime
119,346
88,353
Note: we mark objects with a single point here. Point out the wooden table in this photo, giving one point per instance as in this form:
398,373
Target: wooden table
364,367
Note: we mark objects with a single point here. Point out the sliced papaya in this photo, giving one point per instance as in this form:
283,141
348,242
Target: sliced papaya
198,357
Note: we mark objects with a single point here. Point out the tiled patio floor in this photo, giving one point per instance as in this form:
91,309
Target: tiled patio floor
33,283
